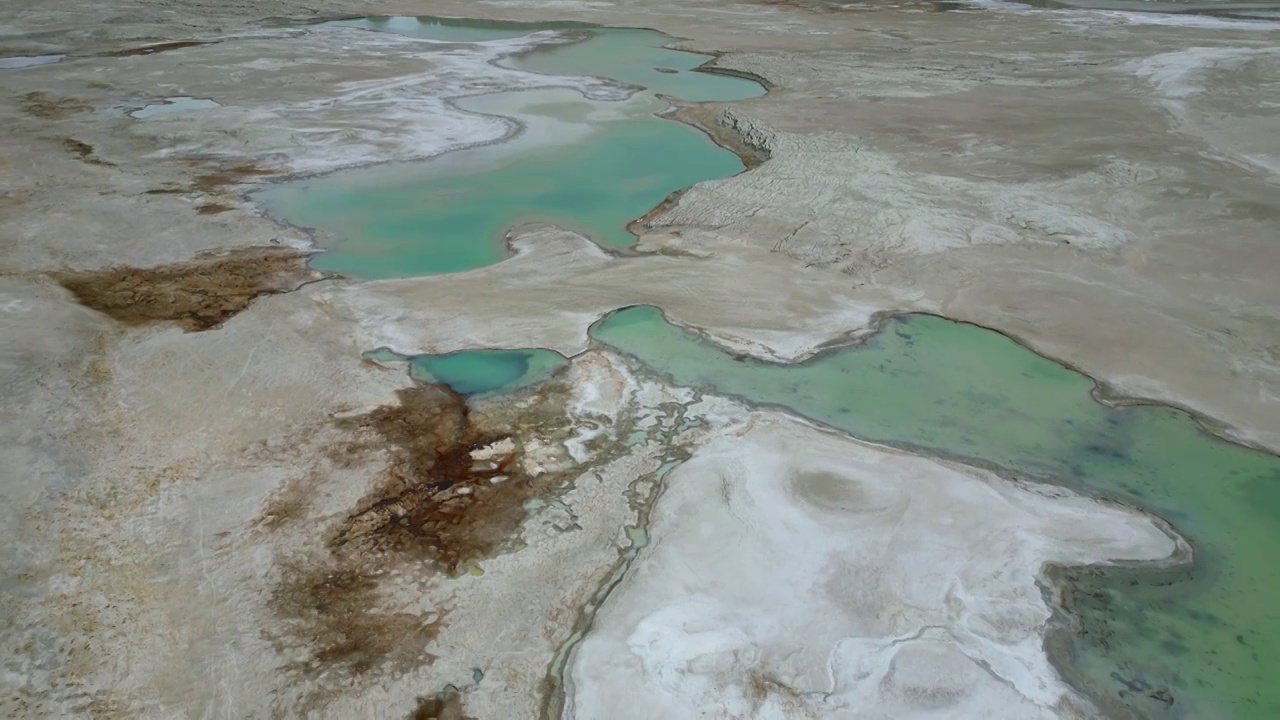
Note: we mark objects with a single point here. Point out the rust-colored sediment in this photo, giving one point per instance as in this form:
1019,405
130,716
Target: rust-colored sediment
436,503
335,614
197,294
157,48
220,179
45,106
437,507
444,705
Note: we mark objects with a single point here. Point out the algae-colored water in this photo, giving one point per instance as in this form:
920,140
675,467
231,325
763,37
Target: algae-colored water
451,214
588,165
636,57
955,389
480,372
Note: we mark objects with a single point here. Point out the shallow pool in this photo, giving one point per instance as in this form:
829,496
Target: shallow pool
588,165
1207,637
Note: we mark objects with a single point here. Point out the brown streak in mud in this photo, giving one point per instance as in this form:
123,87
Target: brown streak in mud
212,208
43,105
218,179
437,502
157,48
197,294
336,613
84,151
80,149
453,491
444,705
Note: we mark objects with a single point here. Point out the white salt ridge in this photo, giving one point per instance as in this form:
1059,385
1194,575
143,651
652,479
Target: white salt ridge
411,114
1181,74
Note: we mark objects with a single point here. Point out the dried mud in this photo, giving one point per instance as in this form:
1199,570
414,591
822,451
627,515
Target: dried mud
219,179
444,705
197,294
336,615
444,499
42,105
84,151
455,490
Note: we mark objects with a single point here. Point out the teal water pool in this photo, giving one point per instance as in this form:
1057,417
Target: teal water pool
1206,637
588,165
479,372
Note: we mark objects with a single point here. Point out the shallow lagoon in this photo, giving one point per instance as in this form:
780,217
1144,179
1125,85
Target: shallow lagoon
961,391
592,166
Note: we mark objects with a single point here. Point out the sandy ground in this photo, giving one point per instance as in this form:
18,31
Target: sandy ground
1101,186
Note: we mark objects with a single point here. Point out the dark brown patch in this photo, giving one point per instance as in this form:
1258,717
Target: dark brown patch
197,294
80,149
212,208
444,705
218,179
434,509
84,151
336,615
157,48
289,503
435,502
42,105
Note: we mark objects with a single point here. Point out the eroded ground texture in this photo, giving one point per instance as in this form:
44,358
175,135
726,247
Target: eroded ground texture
215,508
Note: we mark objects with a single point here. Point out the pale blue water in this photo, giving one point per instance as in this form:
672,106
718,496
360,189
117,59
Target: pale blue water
451,214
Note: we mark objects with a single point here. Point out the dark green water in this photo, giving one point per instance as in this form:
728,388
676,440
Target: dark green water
591,166
1212,640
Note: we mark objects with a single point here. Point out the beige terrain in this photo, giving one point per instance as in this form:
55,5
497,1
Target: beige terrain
206,488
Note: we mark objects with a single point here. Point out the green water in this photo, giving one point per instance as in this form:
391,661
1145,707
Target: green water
434,217
1212,640
587,165
480,372
634,56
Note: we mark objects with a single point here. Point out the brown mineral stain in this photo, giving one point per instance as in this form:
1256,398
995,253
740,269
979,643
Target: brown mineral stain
80,149
336,615
197,294
444,705
157,48
42,105
84,151
290,503
435,502
452,493
219,179
212,208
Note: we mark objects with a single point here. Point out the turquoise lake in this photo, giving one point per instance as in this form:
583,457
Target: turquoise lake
961,391
479,372
588,165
